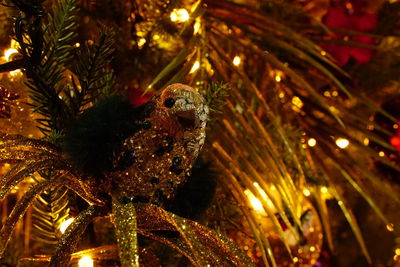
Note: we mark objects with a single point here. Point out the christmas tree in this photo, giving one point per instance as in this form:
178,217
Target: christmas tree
204,133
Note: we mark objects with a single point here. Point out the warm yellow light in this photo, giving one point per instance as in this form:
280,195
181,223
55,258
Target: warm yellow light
156,37
195,67
141,42
255,202
281,95
236,61
9,52
312,248
179,15
297,102
77,45
311,142
397,251
342,143
295,259
324,190
327,94
335,93
323,53
196,26
381,154
85,262
395,126
366,142
390,227
64,225
306,192
278,78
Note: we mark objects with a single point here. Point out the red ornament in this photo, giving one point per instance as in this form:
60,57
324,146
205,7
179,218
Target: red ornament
5,96
349,15
395,141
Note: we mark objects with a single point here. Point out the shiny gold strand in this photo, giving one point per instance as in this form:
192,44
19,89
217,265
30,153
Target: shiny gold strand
202,246
125,222
8,181
20,209
73,234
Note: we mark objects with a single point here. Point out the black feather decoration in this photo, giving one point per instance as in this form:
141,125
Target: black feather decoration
100,131
197,194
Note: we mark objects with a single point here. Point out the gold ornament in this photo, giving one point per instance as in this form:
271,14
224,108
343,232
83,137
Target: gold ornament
174,129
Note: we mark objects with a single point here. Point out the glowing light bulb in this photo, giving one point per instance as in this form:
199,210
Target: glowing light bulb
311,142
255,202
236,61
141,42
296,101
390,227
196,26
323,53
342,143
278,78
306,192
85,262
195,67
397,251
9,52
324,190
64,225
366,141
179,15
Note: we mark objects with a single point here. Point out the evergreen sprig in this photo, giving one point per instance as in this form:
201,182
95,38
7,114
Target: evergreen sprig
216,94
91,71
46,81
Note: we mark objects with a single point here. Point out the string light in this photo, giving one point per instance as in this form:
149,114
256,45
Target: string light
342,143
381,154
197,26
324,190
85,262
179,15
8,53
195,67
254,202
306,192
366,141
312,142
296,101
236,61
64,225
390,227
141,42
278,78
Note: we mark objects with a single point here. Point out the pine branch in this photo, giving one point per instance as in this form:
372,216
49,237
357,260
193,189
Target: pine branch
216,94
94,79
46,76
